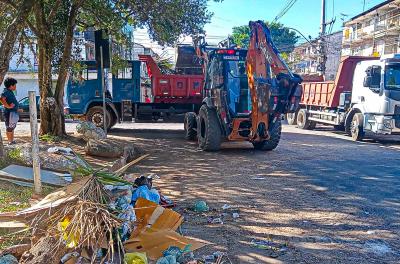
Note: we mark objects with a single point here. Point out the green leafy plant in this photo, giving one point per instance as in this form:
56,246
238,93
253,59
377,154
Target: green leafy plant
49,138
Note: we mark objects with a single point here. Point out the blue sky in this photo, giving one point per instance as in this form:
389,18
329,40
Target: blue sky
305,15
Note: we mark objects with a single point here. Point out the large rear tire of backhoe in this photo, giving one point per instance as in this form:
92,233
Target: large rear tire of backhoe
208,129
190,124
275,136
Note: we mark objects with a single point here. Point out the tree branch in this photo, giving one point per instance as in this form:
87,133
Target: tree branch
27,22
54,10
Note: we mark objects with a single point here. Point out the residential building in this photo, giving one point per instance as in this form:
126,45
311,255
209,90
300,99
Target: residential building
305,58
374,32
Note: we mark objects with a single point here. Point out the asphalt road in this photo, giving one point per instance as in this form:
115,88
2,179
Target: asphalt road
329,199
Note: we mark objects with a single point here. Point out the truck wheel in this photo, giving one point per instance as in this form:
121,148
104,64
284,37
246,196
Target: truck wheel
95,115
356,127
291,118
312,125
190,124
273,141
114,120
339,127
209,131
303,122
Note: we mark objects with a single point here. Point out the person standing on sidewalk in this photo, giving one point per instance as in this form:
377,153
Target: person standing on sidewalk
10,104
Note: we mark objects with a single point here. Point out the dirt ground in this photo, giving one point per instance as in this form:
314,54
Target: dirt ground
291,196
317,198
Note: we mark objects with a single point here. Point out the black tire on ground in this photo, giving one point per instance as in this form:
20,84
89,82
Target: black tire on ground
356,128
339,127
209,130
114,120
312,125
275,136
347,123
190,124
95,115
291,118
303,122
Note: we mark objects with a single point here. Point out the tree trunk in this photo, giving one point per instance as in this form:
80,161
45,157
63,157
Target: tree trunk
7,45
52,119
64,67
51,112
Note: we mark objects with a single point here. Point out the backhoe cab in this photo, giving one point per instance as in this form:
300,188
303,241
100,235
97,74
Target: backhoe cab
245,94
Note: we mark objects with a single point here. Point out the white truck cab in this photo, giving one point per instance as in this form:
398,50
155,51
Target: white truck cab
376,96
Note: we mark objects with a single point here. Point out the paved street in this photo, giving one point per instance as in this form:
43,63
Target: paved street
331,200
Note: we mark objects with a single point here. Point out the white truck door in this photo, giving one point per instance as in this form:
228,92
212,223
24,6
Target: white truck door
366,93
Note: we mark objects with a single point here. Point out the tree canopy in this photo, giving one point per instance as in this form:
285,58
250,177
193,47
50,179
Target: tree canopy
51,25
284,38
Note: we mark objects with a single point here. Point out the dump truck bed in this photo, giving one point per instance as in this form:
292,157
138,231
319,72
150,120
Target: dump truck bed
327,94
173,88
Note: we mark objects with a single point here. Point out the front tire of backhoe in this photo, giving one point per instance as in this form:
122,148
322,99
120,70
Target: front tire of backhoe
275,136
190,124
208,129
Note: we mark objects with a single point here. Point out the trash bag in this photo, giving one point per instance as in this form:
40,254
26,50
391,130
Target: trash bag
146,193
135,258
200,206
8,259
167,260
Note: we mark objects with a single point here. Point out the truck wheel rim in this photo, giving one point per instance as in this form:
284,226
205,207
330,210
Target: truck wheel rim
97,119
354,127
301,119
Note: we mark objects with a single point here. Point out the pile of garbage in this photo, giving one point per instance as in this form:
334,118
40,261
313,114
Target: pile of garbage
102,218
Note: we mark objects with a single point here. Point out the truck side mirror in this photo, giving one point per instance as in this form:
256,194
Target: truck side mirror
372,80
367,81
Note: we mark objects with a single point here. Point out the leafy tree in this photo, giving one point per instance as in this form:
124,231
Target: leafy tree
52,23
11,26
283,38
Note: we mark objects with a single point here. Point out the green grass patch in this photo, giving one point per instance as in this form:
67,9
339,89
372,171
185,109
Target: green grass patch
14,197
49,138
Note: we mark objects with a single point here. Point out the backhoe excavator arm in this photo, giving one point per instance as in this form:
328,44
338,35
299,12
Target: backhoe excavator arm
274,89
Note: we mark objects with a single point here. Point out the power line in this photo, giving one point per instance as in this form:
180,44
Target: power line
288,5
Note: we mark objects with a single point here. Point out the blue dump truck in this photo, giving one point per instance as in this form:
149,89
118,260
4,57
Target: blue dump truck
85,97
128,97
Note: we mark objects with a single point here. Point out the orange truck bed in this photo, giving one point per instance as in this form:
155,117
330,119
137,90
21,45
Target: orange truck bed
327,94
173,88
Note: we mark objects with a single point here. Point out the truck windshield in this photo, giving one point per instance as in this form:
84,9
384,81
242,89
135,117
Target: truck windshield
392,77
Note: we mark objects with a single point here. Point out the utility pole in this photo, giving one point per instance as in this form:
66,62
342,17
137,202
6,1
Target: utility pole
322,40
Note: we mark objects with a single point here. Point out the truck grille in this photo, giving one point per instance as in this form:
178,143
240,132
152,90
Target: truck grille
397,116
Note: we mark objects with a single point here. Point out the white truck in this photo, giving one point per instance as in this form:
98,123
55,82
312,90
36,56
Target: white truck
364,98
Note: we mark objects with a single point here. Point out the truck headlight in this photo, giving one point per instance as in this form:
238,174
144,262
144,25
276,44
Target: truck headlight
387,123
